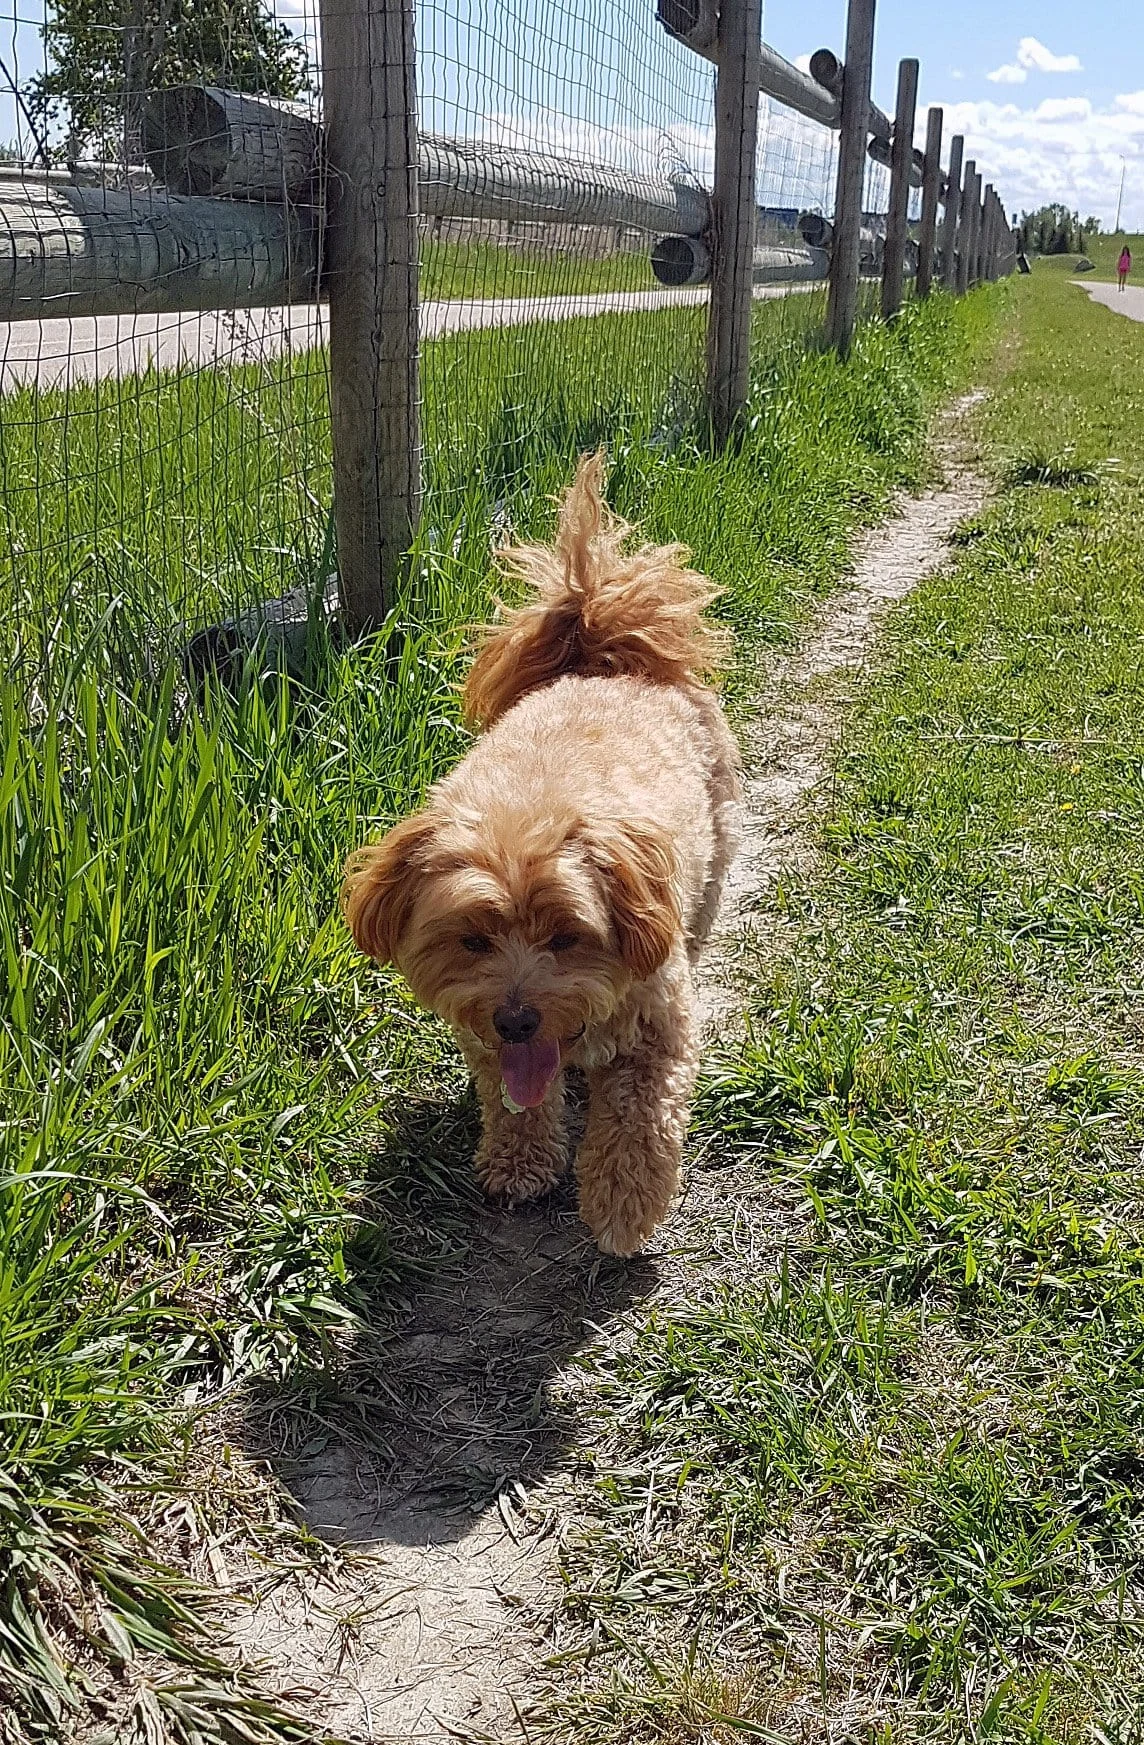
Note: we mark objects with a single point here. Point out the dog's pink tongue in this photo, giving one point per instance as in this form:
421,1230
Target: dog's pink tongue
528,1068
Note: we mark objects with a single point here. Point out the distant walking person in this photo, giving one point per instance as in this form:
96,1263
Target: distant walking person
1123,266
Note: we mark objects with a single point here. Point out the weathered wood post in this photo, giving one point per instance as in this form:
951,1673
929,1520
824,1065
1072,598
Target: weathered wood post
842,300
931,188
898,211
973,229
369,94
983,237
997,233
734,213
981,252
965,224
952,211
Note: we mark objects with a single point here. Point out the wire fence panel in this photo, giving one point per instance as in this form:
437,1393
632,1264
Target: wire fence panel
556,335
165,446
166,461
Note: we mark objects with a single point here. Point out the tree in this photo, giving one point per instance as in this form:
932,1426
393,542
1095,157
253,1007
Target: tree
1053,230
97,78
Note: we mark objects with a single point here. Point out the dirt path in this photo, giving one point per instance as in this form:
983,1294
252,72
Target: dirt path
454,1511
790,742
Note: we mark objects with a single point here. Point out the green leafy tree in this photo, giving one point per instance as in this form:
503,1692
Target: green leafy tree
98,72
1053,230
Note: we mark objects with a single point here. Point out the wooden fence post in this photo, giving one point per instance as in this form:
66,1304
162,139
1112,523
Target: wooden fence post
897,215
734,204
998,233
931,185
952,211
369,95
974,227
842,299
971,211
982,250
965,225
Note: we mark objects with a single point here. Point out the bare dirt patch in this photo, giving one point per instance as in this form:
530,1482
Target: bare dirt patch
443,1519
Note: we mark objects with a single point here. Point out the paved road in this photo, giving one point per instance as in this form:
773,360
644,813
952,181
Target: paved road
57,353
1128,302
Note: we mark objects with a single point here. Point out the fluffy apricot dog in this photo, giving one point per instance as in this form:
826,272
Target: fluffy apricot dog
550,900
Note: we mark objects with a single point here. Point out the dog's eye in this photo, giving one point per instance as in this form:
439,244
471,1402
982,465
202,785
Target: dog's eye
562,942
477,944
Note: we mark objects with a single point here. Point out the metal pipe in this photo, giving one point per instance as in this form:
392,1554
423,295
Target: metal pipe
694,22
684,260
462,180
96,251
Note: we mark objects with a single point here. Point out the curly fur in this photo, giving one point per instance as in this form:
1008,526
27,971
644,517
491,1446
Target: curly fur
571,864
599,611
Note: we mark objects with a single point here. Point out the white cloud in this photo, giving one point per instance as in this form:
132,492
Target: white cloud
1062,109
956,73
1061,149
796,164
802,62
1032,54
679,150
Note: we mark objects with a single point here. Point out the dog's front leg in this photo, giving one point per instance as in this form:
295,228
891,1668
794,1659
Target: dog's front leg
521,1155
628,1164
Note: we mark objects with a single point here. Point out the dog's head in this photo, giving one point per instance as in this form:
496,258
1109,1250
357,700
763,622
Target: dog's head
521,931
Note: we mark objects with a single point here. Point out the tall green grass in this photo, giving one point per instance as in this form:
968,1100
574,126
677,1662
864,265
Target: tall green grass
898,1476
194,1060
482,268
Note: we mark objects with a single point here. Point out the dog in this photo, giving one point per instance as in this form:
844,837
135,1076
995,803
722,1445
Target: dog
553,895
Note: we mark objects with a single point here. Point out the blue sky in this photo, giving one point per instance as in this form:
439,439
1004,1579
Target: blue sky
1039,133
1050,96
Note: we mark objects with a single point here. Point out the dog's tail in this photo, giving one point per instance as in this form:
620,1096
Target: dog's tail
597,610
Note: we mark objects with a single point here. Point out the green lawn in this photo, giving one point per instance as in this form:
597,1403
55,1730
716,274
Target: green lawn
900,1477
1103,252
486,269
197,1067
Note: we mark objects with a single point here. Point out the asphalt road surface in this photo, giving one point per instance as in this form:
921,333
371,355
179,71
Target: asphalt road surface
60,352
1128,302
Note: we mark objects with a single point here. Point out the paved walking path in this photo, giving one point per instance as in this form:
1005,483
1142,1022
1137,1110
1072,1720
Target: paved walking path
1128,302
60,352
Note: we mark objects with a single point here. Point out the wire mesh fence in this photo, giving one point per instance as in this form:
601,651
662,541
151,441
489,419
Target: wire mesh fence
157,454
175,459
165,439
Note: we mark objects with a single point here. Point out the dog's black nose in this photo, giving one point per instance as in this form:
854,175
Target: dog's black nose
516,1023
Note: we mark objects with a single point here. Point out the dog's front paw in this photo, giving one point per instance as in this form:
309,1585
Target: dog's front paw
622,1225
623,1243
515,1173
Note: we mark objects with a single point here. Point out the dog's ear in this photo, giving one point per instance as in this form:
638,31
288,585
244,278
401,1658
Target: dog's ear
381,885
637,863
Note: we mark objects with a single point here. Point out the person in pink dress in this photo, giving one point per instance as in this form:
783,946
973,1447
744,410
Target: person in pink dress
1124,266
